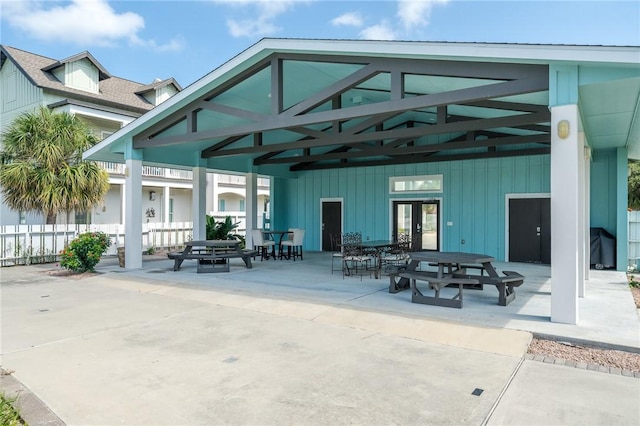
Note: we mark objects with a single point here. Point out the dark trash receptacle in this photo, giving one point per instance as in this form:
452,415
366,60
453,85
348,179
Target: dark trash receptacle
603,249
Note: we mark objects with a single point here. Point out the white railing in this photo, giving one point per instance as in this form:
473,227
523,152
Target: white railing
634,240
180,174
152,171
26,244
114,168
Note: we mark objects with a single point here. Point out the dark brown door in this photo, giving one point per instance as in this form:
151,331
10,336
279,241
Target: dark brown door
530,230
421,220
331,222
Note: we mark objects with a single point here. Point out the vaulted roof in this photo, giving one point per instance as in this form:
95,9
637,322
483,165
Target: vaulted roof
285,106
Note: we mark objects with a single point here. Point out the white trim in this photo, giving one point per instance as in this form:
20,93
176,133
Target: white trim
514,196
394,179
331,199
415,200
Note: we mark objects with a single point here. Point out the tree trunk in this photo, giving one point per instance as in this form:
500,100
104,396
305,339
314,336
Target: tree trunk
51,218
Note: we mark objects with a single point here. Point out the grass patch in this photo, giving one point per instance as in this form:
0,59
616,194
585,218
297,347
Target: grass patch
9,416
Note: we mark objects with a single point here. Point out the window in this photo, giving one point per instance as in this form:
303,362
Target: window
241,205
170,209
221,205
22,217
415,184
82,217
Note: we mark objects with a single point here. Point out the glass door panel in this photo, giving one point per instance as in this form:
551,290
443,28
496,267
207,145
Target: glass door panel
418,217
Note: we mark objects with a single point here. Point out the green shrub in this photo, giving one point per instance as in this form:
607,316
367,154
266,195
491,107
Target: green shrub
83,253
9,416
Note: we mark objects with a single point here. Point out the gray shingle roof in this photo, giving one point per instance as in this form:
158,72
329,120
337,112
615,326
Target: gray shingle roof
113,91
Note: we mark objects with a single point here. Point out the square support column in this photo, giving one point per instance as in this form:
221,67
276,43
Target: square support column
251,203
166,199
199,203
582,216
133,212
622,202
567,256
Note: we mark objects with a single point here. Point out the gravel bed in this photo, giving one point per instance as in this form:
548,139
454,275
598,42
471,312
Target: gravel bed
588,355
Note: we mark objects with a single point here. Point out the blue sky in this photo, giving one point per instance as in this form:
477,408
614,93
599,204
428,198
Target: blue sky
147,39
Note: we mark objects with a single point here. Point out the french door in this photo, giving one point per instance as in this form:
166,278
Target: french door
421,220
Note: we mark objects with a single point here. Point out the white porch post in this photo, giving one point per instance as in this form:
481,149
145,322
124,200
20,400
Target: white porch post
587,212
133,207
582,224
166,197
199,203
567,256
251,204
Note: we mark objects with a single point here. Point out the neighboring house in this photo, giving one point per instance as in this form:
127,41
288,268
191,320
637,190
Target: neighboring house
82,86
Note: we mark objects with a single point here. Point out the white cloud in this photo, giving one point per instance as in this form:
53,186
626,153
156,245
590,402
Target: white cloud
265,13
381,31
86,22
416,13
350,19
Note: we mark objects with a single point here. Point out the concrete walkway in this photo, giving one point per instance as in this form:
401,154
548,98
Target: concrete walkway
283,343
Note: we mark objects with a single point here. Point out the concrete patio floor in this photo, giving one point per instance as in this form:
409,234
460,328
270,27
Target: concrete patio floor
289,343
608,314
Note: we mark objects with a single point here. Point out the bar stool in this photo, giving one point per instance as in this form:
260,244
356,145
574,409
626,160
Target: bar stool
259,241
294,246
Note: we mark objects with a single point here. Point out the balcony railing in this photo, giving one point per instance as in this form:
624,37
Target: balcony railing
152,171
162,172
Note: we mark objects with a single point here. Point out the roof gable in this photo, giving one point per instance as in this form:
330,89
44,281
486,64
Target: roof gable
114,92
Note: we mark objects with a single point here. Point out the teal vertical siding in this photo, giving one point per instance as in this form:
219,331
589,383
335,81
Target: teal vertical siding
473,200
603,190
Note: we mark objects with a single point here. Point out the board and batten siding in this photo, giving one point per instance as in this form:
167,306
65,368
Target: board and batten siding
473,200
18,94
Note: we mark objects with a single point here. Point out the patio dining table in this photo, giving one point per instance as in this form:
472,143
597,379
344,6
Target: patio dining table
277,237
456,264
376,248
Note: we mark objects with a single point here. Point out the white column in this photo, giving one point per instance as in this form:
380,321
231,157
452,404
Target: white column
587,213
566,154
199,203
133,214
166,196
215,190
582,187
251,202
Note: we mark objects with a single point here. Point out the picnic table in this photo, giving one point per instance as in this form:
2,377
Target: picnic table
452,270
212,255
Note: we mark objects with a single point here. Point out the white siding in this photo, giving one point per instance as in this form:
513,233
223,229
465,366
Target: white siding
18,94
164,93
82,75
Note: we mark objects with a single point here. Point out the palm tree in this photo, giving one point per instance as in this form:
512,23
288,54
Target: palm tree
42,167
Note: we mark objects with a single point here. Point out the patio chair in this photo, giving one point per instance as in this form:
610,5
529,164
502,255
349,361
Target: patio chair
336,251
294,246
354,260
262,245
396,256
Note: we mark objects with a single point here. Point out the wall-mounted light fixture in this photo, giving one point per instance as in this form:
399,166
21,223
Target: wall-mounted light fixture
152,195
563,129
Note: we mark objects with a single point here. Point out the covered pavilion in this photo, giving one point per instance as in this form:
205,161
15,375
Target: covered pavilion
351,132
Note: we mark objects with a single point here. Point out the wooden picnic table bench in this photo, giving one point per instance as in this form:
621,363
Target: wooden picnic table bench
436,283
454,265
212,255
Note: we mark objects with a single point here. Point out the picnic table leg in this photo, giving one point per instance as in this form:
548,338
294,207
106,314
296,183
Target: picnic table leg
177,263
